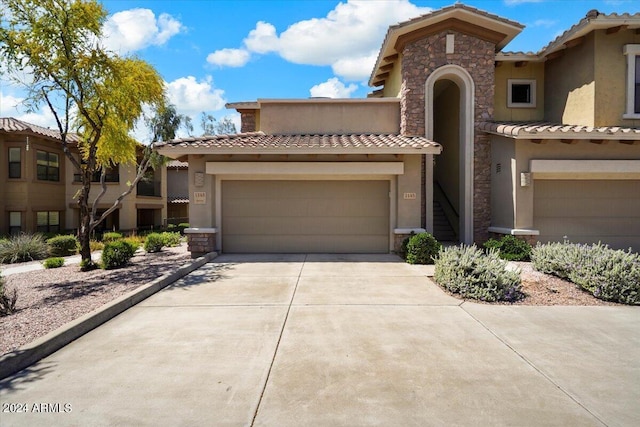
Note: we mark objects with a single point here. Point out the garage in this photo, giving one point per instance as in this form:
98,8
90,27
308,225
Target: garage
588,211
262,216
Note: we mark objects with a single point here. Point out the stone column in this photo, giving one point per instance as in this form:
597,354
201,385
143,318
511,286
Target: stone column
201,241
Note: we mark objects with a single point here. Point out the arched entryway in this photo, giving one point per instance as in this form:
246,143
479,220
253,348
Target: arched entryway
449,117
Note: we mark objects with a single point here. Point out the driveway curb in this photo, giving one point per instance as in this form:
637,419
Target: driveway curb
29,354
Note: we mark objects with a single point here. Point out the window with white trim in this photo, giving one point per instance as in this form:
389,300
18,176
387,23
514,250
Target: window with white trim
521,93
632,110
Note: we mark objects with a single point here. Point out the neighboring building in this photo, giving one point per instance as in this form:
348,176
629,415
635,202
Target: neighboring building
32,183
38,186
177,192
459,138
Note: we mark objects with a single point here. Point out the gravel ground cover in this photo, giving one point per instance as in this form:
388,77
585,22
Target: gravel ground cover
47,299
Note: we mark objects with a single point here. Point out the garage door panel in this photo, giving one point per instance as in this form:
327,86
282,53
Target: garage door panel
612,207
588,211
590,226
306,225
305,216
313,244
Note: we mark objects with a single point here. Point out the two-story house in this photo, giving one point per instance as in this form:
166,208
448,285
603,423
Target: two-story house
459,138
38,186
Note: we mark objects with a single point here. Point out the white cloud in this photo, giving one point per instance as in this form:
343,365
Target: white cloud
355,68
136,29
192,97
229,57
11,106
346,39
262,39
333,88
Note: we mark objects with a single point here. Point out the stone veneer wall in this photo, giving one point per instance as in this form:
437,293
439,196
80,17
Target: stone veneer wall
421,58
247,121
200,244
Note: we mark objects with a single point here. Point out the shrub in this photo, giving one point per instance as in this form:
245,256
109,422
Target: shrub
95,245
53,262
87,265
170,239
422,248
62,246
135,242
111,236
610,275
22,248
468,271
154,242
116,254
510,248
182,226
7,300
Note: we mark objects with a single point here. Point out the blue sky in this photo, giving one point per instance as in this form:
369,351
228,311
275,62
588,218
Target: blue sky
213,52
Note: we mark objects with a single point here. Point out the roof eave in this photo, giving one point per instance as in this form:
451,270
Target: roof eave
175,152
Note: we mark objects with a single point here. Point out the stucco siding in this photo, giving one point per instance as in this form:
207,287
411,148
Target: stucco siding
570,85
503,177
508,70
610,73
328,116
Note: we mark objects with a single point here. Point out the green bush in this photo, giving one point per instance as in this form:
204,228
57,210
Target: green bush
22,248
510,248
422,248
95,245
111,236
182,226
154,242
7,300
469,272
53,262
116,254
170,239
62,246
610,275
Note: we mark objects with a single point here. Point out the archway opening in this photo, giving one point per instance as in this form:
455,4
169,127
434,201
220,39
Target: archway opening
447,188
449,106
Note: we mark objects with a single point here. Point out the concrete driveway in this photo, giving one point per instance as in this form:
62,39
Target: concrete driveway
330,340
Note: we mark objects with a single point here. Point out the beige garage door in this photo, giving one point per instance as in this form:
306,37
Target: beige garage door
305,216
588,211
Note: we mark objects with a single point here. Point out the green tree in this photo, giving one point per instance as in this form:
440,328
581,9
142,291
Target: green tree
53,49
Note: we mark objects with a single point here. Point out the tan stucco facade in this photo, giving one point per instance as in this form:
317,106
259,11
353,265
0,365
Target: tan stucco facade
27,194
329,116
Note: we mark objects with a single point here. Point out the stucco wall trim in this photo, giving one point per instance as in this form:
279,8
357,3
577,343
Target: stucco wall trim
585,169
305,168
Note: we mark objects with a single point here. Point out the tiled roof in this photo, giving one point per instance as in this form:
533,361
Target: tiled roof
176,164
394,30
258,142
592,21
546,130
177,199
11,125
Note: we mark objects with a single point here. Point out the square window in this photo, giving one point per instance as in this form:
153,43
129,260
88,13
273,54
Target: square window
48,166
521,93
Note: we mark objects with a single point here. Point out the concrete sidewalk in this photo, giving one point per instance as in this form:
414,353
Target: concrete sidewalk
9,269
330,340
